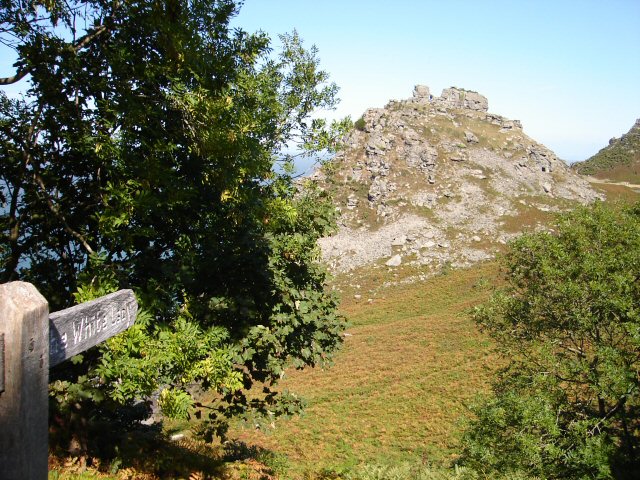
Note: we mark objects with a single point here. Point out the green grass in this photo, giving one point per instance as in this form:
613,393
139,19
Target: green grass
412,361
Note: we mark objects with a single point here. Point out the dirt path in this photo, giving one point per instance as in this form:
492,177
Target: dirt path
608,182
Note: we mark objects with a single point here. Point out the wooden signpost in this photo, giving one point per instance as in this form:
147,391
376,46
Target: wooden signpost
78,328
32,341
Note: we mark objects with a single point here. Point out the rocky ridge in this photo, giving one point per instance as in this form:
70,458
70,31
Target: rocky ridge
435,181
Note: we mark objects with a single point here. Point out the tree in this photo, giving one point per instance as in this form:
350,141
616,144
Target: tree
143,155
568,324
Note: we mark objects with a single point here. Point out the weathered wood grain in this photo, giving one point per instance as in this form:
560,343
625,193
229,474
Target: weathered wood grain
79,328
24,402
1,362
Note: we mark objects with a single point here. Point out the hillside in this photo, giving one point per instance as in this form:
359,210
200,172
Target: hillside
438,182
412,362
619,161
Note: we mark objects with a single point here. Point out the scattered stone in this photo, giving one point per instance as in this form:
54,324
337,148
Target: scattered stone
394,261
374,119
352,202
470,137
378,190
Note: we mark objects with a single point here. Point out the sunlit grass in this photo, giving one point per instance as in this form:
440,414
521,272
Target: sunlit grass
411,362
619,193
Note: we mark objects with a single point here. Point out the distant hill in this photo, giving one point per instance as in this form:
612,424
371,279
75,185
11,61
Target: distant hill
619,161
434,182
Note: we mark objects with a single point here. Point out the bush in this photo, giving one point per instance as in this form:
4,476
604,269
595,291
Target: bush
568,324
360,124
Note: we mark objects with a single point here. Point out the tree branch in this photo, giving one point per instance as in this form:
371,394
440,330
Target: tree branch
55,209
14,235
89,37
78,45
15,78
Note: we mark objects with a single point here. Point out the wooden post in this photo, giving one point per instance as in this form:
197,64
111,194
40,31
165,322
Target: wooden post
24,321
30,342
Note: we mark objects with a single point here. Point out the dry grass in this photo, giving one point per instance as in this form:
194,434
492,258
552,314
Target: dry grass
618,193
622,172
411,362
527,219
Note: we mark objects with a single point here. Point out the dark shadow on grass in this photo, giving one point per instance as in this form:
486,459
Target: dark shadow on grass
153,453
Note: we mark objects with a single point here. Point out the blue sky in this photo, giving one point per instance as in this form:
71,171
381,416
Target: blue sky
568,69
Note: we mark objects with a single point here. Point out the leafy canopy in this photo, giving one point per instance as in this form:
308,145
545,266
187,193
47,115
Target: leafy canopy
568,321
144,155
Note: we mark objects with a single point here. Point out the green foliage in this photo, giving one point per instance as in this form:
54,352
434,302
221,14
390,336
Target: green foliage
175,402
568,321
143,157
360,124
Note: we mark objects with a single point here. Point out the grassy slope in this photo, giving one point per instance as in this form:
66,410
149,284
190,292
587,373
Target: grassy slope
618,193
411,362
618,162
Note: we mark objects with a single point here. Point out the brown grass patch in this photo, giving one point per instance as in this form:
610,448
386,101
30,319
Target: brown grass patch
617,193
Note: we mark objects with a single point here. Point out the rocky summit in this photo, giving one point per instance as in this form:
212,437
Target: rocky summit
435,181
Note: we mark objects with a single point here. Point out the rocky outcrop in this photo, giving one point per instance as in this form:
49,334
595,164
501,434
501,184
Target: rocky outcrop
421,94
459,98
456,98
432,181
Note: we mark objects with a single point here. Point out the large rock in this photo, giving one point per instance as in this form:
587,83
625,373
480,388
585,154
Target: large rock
421,94
394,261
459,98
470,137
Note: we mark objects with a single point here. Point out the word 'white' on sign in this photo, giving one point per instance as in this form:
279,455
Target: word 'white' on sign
83,326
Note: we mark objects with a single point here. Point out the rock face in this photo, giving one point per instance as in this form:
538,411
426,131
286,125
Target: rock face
439,180
458,98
